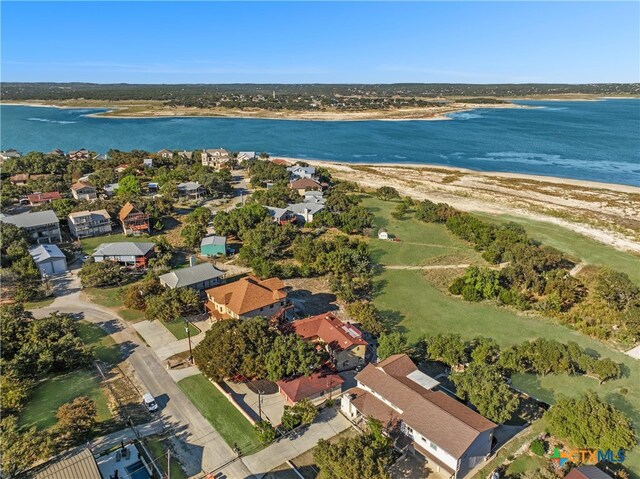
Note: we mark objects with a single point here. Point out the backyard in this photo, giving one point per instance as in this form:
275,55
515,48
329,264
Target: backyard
159,448
223,416
410,302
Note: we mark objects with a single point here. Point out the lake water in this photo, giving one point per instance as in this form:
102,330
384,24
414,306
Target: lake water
590,140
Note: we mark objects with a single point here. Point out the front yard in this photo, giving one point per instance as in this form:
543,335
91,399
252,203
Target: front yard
179,328
223,416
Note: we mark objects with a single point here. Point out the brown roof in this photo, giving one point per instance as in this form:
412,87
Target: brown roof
437,416
79,185
280,161
248,294
306,386
126,210
40,197
305,184
369,405
72,465
587,472
330,330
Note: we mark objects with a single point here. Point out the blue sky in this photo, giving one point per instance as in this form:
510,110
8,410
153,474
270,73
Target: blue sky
180,42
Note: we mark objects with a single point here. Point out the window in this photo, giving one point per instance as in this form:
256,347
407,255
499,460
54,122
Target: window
434,447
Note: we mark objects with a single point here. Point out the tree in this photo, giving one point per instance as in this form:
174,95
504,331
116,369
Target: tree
265,432
431,212
100,274
136,295
590,422
291,356
387,193
484,387
485,350
390,344
365,313
200,216
239,220
306,410
21,448
192,234
366,456
128,187
290,420
14,326
13,391
447,348
172,304
77,419
616,289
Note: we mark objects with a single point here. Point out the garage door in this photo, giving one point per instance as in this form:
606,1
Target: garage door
46,268
59,266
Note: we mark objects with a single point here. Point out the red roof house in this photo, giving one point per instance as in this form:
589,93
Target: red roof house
316,387
36,199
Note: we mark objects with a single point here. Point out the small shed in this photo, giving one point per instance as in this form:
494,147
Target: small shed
383,234
213,246
49,259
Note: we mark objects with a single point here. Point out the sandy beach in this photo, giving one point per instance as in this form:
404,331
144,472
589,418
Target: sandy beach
608,213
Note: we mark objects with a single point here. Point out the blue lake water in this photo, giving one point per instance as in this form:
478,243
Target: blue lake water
590,140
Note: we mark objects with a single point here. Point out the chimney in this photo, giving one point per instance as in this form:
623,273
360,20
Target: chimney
192,260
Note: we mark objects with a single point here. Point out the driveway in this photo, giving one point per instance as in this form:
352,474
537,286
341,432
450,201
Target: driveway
198,445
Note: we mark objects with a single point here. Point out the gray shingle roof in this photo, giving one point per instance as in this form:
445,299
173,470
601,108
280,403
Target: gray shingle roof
277,213
44,252
299,208
192,275
123,249
213,240
28,220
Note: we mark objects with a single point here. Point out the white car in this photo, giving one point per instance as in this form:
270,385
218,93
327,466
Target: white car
150,402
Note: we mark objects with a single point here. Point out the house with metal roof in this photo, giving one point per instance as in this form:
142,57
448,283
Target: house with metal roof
127,254
190,189
451,437
40,226
298,172
198,277
213,246
85,224
76,464
49,259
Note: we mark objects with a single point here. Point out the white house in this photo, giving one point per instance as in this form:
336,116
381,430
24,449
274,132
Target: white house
452,438
298,172
49,259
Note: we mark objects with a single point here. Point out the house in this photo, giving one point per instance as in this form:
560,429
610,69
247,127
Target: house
280,161
37,199
85,224
49,259
73,464
587,472
40,226
246,156
79,155
9,154
305,211
298,172
451,437
281,215
100,157
314,197
216,158
165,153
343,341
148,162
213,246
383,234
187,155
303,185
121,168
198,277
111,189
19,179
191,189
247,297
83,191
316,388
133,220
56,152
127,254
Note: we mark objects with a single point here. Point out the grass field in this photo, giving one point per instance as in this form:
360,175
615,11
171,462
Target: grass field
412,304
49,395
574,244
112,297
178,328
526,463
158,448
223,416
103,346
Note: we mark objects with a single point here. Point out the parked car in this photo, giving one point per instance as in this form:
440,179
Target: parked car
150,402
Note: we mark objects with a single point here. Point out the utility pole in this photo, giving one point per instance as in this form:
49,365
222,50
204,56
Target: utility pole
169,464
189,336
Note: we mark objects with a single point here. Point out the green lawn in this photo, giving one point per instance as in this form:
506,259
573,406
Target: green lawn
178,328
575,244
49,395
112,297
526,463
103,346
42,303
158,448
223,416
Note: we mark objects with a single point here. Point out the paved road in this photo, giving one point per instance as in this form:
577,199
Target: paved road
197,443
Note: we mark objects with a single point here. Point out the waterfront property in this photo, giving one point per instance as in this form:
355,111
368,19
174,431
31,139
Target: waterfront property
40,226
49,259
213,246
128,254
198,277
81,154
37,199
83,191
190,189
343,342
303,185
452,438
298,172
246,156
187,155
316,387
216,158
9,154
247,297
164,153
133,220
84,224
